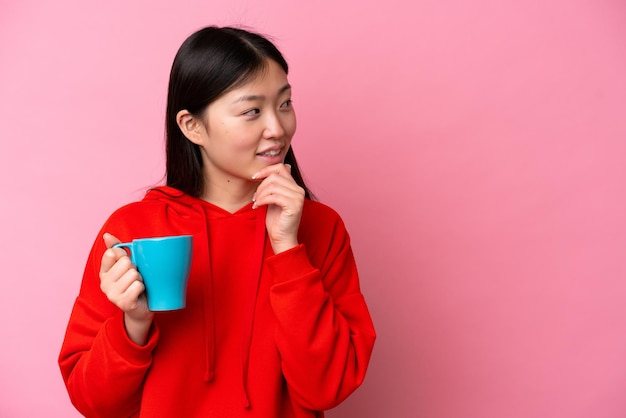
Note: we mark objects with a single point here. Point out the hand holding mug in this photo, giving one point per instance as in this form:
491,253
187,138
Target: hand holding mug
164,264
123,286
121,282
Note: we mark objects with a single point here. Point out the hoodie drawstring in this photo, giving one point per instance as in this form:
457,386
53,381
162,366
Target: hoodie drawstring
252,290
251,297
209,303
208,294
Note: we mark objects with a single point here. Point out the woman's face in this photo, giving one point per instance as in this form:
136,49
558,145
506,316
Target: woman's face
248,128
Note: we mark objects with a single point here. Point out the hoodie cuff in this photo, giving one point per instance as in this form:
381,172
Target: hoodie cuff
290,264
115,332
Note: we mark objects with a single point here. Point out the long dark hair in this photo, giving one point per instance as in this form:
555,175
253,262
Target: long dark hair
210,62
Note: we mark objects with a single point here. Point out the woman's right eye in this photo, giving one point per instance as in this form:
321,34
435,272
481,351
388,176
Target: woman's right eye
251,112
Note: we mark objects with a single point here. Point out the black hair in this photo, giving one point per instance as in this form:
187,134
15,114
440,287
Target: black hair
208,64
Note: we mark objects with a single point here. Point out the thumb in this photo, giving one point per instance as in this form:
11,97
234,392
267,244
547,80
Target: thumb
110,240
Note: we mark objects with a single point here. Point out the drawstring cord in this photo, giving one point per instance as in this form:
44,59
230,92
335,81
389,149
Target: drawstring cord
209,310
251,298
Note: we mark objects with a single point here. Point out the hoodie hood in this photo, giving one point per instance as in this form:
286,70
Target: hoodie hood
188,208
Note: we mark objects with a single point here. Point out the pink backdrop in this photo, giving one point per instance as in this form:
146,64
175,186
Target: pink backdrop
476,150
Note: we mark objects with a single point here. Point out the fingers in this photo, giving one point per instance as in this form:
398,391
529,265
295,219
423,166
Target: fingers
119,279
279,169
280,191
111,255
284,196
123,290
121,265
278,188
129,288
284,199
110,240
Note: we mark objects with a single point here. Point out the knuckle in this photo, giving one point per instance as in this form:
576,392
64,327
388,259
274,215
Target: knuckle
105,282
125,302
124,261
137,287
133,275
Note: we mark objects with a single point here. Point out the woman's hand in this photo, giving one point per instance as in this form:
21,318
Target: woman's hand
123,286
284,200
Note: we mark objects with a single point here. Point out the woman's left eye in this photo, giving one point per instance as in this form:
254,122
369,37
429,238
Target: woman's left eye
287,103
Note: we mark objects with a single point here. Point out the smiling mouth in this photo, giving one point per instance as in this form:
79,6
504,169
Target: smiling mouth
270,153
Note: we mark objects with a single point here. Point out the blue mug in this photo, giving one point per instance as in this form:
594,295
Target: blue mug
164,264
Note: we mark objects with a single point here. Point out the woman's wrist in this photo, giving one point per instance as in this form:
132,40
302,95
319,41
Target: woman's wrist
282,246
137,329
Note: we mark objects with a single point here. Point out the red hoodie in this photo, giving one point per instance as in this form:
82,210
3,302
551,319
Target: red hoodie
263,334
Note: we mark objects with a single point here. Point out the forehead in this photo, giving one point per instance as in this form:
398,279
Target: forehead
270,78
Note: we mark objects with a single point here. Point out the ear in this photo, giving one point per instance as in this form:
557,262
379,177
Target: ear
190,126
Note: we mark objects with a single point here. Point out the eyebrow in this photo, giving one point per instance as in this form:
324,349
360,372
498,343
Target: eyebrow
255,97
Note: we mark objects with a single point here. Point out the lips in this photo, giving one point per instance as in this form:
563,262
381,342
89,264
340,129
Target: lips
270,152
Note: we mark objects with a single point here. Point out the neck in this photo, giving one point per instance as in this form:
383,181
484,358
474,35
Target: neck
231,194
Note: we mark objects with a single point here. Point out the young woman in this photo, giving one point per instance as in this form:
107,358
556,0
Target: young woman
275,323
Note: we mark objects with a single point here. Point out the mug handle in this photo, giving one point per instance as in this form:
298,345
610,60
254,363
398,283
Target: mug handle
129,246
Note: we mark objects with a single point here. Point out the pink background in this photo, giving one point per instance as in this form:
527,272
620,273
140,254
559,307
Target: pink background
476,150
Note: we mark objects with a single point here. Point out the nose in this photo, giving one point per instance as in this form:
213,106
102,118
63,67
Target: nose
273,126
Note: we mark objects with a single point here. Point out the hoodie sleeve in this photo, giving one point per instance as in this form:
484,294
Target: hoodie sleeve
324,332
102,368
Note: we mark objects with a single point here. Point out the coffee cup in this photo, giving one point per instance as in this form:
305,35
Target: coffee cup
164,264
